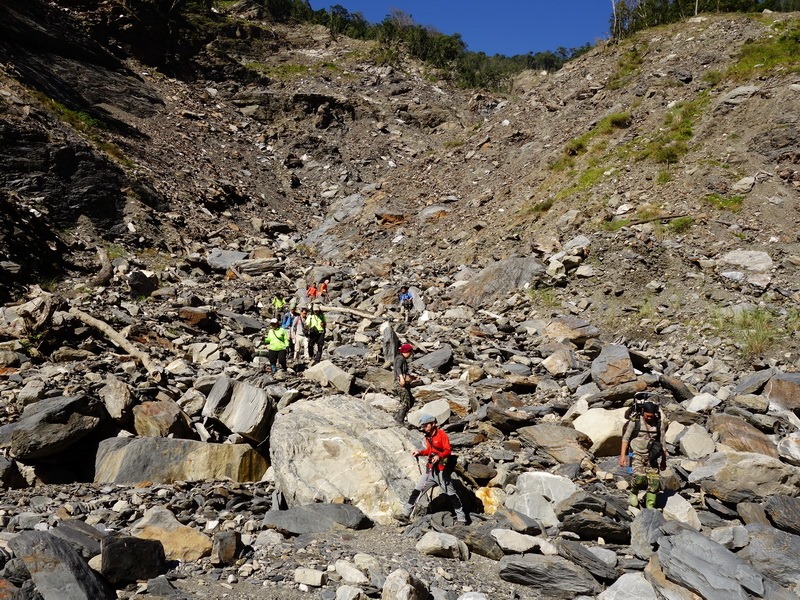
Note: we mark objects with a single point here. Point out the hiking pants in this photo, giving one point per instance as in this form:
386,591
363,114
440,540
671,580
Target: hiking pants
403,392
300,347
427,480
276,357
316,341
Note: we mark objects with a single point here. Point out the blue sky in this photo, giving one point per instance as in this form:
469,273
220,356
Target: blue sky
498,26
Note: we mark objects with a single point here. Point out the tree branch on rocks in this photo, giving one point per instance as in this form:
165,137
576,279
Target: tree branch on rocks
661,218
106,270
153,369
350,311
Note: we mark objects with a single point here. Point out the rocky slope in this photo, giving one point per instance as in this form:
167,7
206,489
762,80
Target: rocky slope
627,223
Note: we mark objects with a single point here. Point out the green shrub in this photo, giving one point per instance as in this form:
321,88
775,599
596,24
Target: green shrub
753,330
543,297
680,225
712,77
776,52
627,67
663,177
731,203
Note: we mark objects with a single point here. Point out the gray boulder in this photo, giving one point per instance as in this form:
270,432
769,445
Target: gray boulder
700,564
126,559
552,576
784,511
646,532
327,374
57,570
743,476
783,391
241,407
50,426
613,367
164,460
631,586
499,280
439,360
340,448
775,553
562,444
317,518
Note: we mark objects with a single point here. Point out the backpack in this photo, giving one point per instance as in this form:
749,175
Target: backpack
655,448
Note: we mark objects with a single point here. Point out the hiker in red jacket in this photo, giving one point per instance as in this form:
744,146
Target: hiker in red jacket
440,465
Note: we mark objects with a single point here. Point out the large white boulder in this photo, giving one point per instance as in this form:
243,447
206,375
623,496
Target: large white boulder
339,448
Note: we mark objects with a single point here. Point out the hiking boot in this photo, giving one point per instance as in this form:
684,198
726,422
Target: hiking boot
633,499
649,500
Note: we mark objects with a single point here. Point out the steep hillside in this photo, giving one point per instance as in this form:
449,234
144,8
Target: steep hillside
628,224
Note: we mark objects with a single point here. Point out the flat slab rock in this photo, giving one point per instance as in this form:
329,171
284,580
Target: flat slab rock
316,518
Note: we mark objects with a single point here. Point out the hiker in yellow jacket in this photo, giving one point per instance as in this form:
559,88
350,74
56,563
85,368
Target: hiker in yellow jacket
316,327
277,341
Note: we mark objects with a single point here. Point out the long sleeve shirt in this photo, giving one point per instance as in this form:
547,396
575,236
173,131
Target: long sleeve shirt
439,444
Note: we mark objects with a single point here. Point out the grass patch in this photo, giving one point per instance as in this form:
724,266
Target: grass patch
731,203
453,144
115,251
78,120
648,309
605,126
663,177
680,225
542,206
780,51
713,77
285,71
543,297
628,67
83,123
586,181
670,144
616,225
793,319
753,330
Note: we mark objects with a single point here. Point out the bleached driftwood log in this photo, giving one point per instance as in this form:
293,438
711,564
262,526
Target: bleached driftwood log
154,370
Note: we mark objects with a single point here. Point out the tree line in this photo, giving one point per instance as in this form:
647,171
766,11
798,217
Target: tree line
448,54
630,16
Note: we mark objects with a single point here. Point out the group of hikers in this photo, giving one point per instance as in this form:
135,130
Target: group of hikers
299,332
302,333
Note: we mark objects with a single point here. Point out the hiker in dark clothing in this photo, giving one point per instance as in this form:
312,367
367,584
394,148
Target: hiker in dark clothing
402,382
643,434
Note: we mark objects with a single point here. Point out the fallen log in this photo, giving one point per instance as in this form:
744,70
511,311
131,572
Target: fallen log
350,311
154,370
106,270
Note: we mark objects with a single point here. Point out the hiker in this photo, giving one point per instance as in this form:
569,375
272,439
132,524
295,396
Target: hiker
643,434
286,325
402,381
316,327
322,291
277,340
437,471
312,293
299,335
278,302
406,301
